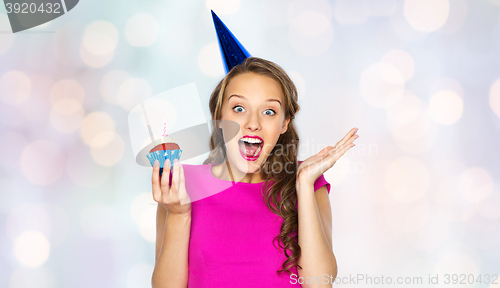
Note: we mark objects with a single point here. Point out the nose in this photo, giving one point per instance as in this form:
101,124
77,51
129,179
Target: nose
253,123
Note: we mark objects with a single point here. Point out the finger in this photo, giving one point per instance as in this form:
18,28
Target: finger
155,180
347,137
183,195
341,150
175,177
350,140
165,185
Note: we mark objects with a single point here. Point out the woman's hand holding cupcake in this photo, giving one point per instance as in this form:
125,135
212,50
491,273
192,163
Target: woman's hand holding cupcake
172,196
311,168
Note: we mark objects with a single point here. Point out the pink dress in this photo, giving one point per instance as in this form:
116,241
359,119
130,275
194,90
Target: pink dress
232,231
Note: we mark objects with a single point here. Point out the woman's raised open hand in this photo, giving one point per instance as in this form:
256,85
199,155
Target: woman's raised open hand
172,196
310,169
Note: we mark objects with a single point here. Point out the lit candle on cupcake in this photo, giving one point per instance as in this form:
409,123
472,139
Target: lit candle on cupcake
165,148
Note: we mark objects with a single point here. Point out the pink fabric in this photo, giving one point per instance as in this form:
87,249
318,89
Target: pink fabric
232,231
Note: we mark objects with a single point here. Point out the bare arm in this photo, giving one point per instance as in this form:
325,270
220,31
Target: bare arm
161,221
173,227
317,257
172,247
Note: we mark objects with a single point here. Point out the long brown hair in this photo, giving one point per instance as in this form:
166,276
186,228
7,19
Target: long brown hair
282,196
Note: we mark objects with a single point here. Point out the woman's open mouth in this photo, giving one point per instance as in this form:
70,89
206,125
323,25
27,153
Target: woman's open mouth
250,147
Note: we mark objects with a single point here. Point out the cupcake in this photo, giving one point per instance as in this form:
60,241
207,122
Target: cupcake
165,147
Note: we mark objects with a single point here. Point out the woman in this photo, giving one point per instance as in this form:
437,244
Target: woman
235,236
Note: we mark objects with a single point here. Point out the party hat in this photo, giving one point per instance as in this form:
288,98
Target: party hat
232,52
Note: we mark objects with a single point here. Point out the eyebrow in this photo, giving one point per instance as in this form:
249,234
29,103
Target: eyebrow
240,96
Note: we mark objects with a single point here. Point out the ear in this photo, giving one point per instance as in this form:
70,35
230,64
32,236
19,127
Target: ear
285,126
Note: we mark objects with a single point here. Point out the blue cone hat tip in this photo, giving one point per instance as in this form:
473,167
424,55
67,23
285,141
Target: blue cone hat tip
232,52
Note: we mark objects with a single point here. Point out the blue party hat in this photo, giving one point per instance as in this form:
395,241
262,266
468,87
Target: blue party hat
231,50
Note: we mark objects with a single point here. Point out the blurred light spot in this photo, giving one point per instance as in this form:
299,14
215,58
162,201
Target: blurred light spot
296,7
456,18
455,261
39,277
132,92
27,216
98,221
143,212
67,89
475,184
100,38
495,97
495,2
94,124
381,7
32,248
66,44
408,218
36,109
355,247
339,172
223,6
407,179
210,61
42,162
351,12
11,147
7,38
83,170
408,119
374,172
110,85
489,205
15,87
138,275
381,85
446,107
450,200
274,13
176,39
95,60
426,15
449,84
141,30
310,33
109,153
446,167
432,236
66,116
300,84
404,30
402,61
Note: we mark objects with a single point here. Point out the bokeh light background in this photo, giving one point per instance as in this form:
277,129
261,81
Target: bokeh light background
419,194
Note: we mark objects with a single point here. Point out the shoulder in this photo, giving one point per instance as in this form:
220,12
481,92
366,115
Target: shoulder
320,182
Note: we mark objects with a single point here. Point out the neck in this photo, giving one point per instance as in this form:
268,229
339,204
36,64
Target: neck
227,171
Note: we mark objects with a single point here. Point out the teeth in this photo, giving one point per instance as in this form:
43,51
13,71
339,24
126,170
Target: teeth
252,140
256,152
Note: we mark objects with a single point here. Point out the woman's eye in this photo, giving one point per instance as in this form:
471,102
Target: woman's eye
271,111
235,107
